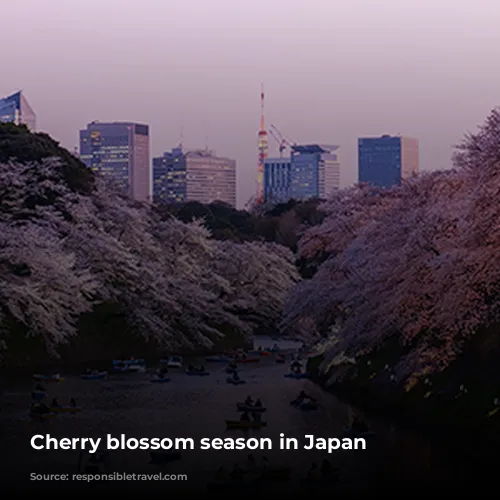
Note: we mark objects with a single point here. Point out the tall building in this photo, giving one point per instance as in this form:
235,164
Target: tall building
277,180
16,109
387,160
197,175
315,171
119,151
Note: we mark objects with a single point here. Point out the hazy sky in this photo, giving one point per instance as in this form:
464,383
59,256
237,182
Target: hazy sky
333,70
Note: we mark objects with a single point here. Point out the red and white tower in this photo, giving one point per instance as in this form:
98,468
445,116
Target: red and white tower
263,148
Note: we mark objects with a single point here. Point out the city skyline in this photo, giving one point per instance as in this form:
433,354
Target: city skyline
347,78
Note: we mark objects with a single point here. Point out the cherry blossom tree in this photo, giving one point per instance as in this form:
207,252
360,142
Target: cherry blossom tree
417,264
174,283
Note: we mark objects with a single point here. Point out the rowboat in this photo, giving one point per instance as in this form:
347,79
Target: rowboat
244,424
175,362
249,408
65,409
38,395
95,376
231,380
297,375
47,378
159,380
41,416
218,359
129,362
308,405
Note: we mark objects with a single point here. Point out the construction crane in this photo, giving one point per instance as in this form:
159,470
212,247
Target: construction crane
283,142
281,145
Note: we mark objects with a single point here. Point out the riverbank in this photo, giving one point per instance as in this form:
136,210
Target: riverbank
431,409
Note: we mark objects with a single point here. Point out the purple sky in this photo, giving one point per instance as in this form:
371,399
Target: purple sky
333,70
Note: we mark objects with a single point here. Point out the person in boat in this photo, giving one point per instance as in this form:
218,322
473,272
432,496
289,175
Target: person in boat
303,397
56,376
245,417
55,403
88,371
236,377
258,403
40,387
248,401
202,369
190,368
40,408
256,416
295,366
300,398
72,402
260,348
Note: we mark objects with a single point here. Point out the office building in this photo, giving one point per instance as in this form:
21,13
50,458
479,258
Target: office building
16,109
277,180
119,151
387,160
315,171
197,175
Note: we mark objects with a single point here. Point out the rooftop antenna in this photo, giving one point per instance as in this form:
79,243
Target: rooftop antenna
181,138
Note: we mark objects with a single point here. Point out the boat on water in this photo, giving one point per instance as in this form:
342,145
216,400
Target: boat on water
38,395
47,378
249,408
308,406
280,360
247,360
218,359
41,416
175,362
244,424
297,376
129,362
231,380
136,369
197,373
164,457
160,380
95,375
65,409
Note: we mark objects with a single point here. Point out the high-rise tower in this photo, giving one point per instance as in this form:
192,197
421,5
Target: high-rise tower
263,147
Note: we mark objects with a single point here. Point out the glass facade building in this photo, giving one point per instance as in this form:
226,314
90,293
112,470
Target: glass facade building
119,151
315,171
277,180
169,177
197,175
387,160
16,109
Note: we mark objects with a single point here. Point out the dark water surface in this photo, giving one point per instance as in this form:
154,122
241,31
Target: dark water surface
197,407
